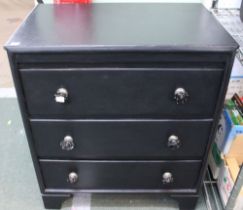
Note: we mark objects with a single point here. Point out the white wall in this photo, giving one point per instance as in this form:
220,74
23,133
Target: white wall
174,1
207,3
169,1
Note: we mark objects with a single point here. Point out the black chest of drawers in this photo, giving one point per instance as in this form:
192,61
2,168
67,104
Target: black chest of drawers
120,97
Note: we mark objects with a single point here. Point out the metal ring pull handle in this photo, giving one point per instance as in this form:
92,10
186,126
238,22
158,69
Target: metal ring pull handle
67,143
181,95
167,178
61,95
174,142
72,177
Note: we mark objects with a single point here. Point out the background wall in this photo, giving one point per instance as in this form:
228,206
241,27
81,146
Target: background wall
11,15
106,1
176,1
206,3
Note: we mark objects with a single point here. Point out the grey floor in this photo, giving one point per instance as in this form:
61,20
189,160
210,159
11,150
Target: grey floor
18,184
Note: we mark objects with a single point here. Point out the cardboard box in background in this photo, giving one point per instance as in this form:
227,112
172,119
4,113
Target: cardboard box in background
225,184
226,157
228,142
236,80
236,149
227,133
215,161
227,177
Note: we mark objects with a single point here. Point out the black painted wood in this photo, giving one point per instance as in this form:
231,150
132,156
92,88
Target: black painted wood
125,64
186,202
127,58
121,93
121,139
24,114
105,26
54,201
118,175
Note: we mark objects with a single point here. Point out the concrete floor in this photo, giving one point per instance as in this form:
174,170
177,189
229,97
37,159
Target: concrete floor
11,15
18,184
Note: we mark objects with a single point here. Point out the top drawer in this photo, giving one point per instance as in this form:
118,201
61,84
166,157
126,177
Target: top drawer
121,92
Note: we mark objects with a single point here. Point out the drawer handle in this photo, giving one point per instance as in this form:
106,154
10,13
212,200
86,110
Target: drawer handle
61,95
167,178
181,95
174,142
67,143
72,177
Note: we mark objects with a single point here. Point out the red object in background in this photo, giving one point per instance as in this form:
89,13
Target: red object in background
72,1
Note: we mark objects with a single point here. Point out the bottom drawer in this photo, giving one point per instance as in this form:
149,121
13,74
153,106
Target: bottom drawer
120,175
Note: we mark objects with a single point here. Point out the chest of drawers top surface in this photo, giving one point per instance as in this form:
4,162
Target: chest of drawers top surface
121,26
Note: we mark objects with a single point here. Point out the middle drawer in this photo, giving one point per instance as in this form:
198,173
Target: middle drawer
121,139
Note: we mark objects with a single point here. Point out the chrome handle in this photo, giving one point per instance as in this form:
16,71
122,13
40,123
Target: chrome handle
181,95
167,178
72,177
61,95
174,142
67,143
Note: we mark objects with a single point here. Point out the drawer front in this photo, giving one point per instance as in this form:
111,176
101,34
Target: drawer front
108,175
128,139
121,93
